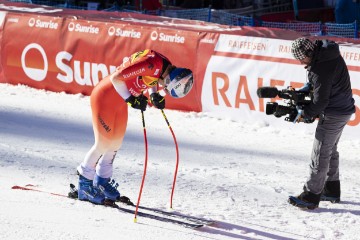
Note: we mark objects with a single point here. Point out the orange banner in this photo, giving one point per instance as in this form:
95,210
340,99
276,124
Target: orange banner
73,54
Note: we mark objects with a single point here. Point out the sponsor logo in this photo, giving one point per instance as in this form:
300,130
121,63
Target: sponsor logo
139,83
77,27
111,31
247,45
134,92
14,20
84,73
162,37
71,26
34,73
208,40
103,124
31,22
154,35
177,85
42,24
134,73
171,38
118,32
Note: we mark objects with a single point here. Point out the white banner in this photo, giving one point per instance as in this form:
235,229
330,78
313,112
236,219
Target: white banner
229,90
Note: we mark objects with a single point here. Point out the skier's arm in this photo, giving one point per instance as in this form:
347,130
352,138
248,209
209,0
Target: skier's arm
123,74
120,87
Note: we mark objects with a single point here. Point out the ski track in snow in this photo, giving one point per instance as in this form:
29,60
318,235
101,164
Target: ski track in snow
237,173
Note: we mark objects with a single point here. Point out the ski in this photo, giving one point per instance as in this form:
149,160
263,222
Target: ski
185,224
127,202
176,215
30,187
157,217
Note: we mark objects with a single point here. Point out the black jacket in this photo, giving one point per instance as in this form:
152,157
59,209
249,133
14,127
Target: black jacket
329,77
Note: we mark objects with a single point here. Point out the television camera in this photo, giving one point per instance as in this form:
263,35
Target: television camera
293,99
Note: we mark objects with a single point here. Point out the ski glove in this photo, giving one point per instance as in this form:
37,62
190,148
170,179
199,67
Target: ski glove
305,88
157,100
299,116
139,102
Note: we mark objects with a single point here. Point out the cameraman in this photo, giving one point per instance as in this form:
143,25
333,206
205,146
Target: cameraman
329,82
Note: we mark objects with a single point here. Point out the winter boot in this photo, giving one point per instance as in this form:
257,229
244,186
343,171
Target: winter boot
306,200
87,192
331,192
108,187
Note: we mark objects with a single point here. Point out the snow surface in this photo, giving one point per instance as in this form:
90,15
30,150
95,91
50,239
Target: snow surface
236,173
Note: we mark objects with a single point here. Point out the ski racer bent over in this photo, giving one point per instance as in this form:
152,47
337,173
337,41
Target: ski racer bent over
144,70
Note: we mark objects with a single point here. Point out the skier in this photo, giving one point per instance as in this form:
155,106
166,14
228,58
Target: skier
332,100
142,71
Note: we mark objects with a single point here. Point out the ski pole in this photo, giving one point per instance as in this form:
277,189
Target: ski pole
145,166
177,157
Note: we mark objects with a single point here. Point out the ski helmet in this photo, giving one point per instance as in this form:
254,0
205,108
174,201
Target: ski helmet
179,82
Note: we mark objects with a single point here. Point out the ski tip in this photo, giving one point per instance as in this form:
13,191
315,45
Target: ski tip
20,187
135,220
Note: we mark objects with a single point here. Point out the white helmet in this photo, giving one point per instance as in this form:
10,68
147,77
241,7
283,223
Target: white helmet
179,82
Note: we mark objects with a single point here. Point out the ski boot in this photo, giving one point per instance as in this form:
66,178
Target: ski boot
306,200
331,192
108,187
88,192
297,202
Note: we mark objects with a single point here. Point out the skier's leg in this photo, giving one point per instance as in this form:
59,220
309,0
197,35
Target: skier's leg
88,165
105,104
104,168
109,121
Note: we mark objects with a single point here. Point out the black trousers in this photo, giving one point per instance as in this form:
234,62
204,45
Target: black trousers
324,164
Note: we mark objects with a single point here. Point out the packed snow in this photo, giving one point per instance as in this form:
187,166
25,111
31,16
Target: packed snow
239,174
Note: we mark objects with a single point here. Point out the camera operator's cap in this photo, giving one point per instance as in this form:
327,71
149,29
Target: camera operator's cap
302,48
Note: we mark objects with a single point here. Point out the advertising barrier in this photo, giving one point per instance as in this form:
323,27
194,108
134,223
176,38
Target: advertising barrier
229,90
71,51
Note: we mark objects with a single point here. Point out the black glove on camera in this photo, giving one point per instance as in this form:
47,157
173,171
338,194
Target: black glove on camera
157,100
139,102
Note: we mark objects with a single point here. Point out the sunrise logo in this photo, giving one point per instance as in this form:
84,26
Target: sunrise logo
34,73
